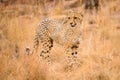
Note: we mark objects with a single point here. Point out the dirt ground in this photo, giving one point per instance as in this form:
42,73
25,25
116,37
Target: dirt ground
99,52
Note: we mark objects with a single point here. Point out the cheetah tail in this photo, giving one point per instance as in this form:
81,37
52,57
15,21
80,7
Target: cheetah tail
36,43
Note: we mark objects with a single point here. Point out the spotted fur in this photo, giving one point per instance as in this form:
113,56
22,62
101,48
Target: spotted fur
66,32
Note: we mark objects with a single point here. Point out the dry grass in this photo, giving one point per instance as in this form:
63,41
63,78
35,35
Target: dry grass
99,52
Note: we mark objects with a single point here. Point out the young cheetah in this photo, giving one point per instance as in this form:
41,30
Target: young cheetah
66,32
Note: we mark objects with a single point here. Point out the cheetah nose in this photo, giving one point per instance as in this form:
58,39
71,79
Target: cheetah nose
72,24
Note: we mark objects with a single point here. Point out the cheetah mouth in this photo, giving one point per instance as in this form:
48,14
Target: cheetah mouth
73,25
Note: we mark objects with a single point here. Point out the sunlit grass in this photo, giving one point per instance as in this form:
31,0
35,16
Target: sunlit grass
99,52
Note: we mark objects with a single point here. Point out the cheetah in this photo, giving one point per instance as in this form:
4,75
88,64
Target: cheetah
66,32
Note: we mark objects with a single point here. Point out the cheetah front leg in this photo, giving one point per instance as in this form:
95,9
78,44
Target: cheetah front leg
46,49
72,52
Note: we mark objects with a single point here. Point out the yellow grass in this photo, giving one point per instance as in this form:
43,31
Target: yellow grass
99,52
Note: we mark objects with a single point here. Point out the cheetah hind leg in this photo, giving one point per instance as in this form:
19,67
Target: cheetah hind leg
72,56
46,48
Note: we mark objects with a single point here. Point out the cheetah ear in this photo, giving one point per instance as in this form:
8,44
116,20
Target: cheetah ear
69,12
64,19
81,11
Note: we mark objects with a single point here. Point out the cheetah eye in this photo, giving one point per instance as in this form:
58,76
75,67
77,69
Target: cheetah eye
68,17
75,17
81,15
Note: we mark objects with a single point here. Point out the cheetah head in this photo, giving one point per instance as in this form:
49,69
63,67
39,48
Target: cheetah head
74,19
